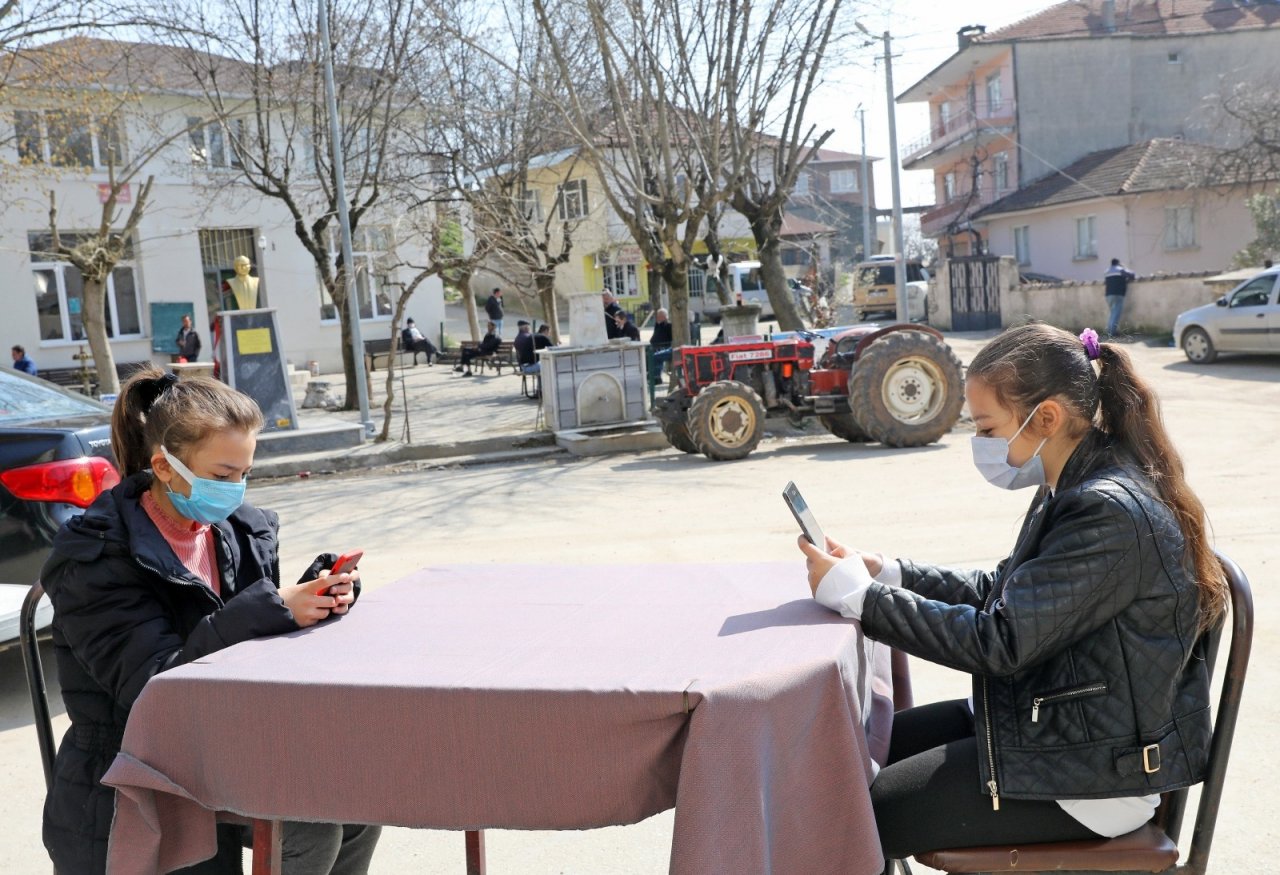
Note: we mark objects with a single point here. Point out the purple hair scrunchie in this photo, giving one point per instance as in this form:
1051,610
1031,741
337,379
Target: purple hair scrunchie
1092,349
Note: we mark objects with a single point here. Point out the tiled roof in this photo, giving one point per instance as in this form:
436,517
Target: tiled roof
1084,18
1155,165
124,64
794,226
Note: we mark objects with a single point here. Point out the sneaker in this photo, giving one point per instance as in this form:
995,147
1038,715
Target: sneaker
458,368
467,374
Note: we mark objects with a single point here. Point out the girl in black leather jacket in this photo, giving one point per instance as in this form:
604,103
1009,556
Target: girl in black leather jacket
164,568
1090,697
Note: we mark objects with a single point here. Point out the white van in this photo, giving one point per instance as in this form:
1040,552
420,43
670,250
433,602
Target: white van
746,283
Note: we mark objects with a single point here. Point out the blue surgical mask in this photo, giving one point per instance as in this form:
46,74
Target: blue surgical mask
211,501
991,458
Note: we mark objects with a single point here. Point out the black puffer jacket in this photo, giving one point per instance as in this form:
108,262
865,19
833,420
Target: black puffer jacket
1083,643
126,609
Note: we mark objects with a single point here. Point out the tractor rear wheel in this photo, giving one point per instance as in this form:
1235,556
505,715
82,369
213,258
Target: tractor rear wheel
726,420
843,425
906,389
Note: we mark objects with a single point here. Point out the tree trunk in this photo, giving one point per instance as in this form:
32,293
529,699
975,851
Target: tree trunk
545,283
387,405
768,247
676,276
473,318
94,313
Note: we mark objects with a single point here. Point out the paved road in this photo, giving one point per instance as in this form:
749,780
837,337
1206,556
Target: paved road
665,506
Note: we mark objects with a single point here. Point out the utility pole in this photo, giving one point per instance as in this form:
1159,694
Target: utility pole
899,257
344,221
866,189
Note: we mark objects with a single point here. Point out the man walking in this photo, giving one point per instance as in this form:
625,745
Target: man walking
1115,284
493,308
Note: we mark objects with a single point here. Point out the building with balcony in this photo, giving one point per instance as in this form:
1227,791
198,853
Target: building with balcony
1020,103
830,193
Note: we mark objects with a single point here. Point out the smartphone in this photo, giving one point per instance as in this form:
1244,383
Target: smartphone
344,563
800,510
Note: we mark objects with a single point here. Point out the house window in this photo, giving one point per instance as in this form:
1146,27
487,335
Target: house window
1022,244
59,290
944,115
802,183
994,99
1179,227
572,199
68,138
1086,237
620,279
369,250
531,205
1001,171
1175,57
949,187
844,181
212,144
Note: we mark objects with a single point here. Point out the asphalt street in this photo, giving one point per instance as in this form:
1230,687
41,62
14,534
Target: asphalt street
665,506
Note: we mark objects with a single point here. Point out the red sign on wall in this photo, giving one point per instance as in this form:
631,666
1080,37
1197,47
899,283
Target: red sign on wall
104,193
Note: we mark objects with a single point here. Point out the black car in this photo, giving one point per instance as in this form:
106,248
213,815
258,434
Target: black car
55,458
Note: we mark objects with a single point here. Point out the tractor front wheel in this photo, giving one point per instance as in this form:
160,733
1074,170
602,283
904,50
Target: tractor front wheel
906,389
672,413
726,420
843,425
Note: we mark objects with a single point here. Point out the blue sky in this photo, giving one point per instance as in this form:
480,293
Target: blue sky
923,36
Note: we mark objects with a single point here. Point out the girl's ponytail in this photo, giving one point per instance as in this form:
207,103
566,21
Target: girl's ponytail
129,418
1130,413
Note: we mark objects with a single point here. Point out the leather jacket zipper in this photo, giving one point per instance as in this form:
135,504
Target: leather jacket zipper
991,757
175,579
1087,690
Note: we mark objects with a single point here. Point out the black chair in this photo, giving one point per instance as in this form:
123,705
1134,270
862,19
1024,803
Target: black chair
1153,847
35,681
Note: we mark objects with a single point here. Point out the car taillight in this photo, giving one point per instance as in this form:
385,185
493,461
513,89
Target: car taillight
73,481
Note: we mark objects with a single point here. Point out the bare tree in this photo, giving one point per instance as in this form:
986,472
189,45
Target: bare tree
775,67
259,67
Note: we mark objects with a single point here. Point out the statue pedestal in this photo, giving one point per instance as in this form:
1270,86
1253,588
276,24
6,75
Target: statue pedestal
740,320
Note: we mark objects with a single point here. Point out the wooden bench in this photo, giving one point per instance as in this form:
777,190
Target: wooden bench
503,357
72,378
381,346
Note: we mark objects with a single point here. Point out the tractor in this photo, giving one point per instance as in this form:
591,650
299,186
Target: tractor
900,385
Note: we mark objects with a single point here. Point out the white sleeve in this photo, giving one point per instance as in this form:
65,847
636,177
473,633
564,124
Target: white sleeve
843,587
890,571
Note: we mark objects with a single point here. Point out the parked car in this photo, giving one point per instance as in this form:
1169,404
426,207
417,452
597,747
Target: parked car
55,458
1245,319
875,290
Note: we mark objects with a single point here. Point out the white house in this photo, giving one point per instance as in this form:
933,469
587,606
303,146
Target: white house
201,216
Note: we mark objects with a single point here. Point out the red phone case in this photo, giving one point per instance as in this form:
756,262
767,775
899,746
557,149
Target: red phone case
345,562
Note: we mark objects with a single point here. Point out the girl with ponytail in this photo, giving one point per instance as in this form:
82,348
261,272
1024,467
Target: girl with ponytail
1090,693
169,566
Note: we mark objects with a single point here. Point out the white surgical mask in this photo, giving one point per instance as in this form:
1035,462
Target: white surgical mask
991,458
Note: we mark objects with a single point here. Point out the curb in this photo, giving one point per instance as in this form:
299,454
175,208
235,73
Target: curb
505,448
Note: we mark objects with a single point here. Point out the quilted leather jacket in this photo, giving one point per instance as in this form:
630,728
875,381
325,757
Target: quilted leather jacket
1089,678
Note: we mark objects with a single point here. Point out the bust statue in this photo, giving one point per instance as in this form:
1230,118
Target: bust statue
243,288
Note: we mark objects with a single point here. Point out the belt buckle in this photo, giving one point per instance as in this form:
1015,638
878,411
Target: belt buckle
1151,759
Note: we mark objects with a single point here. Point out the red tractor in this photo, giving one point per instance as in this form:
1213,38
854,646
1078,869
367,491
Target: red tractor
900,385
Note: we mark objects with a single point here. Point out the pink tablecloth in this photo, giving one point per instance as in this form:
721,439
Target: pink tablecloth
531,698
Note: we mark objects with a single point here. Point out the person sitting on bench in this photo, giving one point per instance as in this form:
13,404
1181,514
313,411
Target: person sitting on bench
413,340
488,346
527,346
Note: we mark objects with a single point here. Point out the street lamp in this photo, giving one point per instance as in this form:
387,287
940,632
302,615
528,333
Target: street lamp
866,189
899,259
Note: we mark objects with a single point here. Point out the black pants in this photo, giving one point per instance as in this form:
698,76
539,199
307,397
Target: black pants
930,797
424,346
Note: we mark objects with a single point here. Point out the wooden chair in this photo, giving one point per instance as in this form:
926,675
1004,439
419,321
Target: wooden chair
1153,847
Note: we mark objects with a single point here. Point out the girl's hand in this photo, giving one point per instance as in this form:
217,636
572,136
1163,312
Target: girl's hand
343,591
819,562
306,603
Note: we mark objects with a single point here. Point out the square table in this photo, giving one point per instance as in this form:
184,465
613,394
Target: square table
532,697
